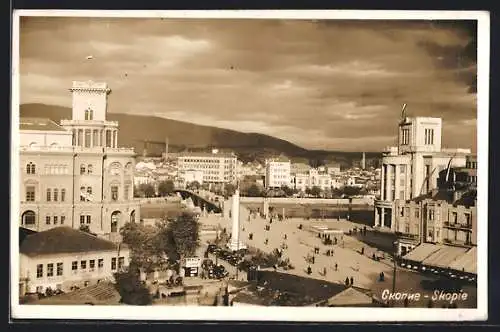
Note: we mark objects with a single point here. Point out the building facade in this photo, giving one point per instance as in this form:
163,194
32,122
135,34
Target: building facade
217,168
411,169
313,178
446,215
50,259
277,173
75,174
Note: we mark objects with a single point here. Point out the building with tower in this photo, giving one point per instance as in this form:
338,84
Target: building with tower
75,174
411,169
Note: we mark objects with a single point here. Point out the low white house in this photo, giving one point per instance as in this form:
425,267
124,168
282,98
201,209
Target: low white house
63,257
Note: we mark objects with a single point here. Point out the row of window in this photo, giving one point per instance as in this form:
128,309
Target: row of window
471,164
50,270
86,170
56,169
54,220
52,194
30,168
431,215
405,136
429,137
74,266
85,218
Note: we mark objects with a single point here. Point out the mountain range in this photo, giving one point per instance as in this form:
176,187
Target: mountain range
150,133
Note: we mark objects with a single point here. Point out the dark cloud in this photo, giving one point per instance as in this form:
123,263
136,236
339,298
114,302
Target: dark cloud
320,84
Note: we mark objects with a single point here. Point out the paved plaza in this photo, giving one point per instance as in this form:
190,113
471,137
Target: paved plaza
350,262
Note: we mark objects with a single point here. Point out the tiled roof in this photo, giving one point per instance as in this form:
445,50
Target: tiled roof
63,240
103,293
23,233
39,124
350,297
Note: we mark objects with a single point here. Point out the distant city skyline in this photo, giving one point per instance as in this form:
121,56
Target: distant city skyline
333,85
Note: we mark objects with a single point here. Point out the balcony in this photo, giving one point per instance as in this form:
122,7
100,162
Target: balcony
55,149
89,123
120,150
456,225
407,236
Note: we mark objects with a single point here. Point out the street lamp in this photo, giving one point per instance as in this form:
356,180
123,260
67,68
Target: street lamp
394,268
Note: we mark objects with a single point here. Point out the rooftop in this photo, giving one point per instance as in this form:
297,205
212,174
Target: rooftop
43,124
63,240
103,293
207,154
467,198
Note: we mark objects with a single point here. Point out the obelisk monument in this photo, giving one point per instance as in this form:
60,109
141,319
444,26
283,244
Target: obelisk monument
235,243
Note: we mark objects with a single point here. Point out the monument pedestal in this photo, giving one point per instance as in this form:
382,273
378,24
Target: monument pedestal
236,245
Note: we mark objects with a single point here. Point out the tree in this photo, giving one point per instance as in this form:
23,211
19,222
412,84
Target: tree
229,190
166,188
146,190
195,185
131,290
143,243
351,191
288,191
315,191
179,237
254,191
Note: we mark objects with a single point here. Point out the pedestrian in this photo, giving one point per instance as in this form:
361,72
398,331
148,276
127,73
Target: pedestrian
362,250
324,271
347,281
309,270
373,256
312,259
336,267
335,240
352,281
285,236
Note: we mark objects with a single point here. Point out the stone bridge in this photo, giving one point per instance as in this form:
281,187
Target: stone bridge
201,202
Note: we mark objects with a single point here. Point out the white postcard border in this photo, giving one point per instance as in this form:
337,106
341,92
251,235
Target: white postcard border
267,313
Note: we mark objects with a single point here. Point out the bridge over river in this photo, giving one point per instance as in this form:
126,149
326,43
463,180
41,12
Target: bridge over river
213,204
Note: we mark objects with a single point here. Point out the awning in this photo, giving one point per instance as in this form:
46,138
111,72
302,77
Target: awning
444,256
467,262
421,252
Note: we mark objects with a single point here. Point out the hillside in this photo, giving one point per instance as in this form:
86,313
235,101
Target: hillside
136,130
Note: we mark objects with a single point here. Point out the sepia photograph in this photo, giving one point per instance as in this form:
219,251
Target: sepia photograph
282,165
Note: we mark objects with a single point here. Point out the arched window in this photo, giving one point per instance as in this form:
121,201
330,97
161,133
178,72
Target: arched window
115,218
89,114
30,168
132,216
89,169
28,218
82,169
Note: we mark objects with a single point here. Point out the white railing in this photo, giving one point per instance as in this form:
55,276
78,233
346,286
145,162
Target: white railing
120,150
89,123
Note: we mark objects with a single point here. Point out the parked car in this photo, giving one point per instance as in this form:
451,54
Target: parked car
211,248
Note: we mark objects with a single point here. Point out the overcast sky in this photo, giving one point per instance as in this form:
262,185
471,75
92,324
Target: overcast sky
335,85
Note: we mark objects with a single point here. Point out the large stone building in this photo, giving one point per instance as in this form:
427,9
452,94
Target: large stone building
411,169
446,215
217,167
75,174
277,173
313,178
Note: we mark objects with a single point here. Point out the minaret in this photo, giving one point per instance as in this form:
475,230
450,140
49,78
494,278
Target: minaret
363,161
235,243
